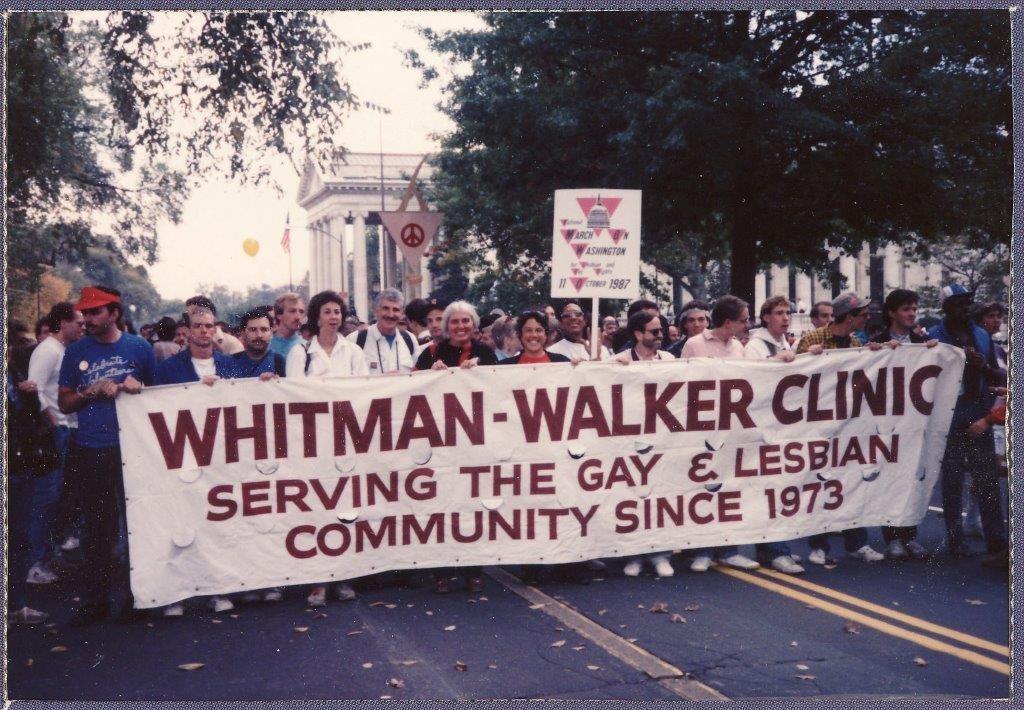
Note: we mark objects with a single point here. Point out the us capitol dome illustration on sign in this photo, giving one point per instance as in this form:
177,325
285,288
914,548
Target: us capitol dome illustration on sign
598,217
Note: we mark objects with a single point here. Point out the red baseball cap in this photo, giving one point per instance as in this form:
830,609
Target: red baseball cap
93,297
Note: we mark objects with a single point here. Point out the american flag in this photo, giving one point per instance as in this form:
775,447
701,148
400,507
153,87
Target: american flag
286,240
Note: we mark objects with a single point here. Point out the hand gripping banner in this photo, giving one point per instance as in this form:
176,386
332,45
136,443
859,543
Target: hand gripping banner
248,484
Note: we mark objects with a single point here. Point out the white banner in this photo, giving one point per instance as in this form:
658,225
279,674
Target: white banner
249,484
595,250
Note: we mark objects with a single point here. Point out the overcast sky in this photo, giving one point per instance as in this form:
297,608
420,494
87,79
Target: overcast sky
206,247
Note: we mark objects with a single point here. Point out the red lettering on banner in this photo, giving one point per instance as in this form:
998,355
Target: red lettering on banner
619,427
478,527
454,414
582,519
173,449
541,479
293,549
697,405
321,539
587,401
729,507
418,423
552,514
783,415
738,409
219,497
255,492
656,407
899,399
329,502
814,414
411,526
308,412
234,433
841,378
345,420
542,413
365,533
864,392
297,497
917,380
280,412
876,446
474,472
770,462
794,460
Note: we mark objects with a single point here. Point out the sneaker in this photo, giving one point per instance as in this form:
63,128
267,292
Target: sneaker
273,595
896,550
317,597
818,557
174,610
740,562
39,574
701,563
786,565
27,615
633,568
70,544
219,604
597,565
662,566
868,554
250,597
916,550
345,592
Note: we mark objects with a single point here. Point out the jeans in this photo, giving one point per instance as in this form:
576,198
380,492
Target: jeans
770,550
977,457
904,535
716,552
97,476
19,517
853,540
45,496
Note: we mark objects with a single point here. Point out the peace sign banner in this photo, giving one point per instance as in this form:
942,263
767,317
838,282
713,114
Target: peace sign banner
412,231
247,484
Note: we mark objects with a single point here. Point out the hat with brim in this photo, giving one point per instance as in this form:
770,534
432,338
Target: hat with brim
93,297
848,303
955,290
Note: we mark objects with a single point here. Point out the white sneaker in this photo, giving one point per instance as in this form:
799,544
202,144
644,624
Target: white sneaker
174,610
219,604
740,562
39,574
786,565
662,566
27,615
817,556
346,593
597,565
701,563
70,544
896,551
250,597
868,554
317,597
273,595
633,567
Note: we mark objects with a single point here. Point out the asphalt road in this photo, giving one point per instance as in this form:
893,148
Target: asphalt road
936,629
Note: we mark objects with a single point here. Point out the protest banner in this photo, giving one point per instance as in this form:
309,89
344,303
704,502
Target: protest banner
248,484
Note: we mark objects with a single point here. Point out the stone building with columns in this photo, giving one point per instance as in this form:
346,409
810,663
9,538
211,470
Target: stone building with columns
342,203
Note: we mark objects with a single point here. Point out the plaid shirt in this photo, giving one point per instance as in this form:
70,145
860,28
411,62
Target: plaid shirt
823,336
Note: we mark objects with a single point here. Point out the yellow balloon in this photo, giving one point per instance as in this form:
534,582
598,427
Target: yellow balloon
250,246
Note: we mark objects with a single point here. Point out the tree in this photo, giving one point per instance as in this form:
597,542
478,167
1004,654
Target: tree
111,123
756,136
104,265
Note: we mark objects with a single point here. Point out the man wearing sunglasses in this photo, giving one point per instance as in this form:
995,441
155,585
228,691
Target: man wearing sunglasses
571,322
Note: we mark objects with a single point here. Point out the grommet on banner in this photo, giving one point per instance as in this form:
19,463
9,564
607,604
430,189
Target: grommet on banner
822,476
577,451
713,487
642,447
421,454
348,516
503,455
871,475
345,464
492,503
263,524
183,536
267,467
189,475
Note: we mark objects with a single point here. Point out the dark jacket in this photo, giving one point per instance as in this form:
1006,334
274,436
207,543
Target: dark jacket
178,368
449,355
975,400
514,360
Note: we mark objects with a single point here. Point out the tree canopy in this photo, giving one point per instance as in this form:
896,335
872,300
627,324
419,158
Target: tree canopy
111,122
757,136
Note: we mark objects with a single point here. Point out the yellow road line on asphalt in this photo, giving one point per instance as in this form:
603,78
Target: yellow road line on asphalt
892,614
667,675
871,622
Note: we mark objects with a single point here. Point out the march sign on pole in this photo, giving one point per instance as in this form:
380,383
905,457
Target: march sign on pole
595,250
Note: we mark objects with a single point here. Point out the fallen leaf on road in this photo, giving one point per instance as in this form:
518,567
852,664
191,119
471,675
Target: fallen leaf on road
851,628
410,606
216,621
830,566
492,666
29,662
631,640
622,626
692,607
321,615
460,666
390,606
150,624
430,613
793,643
659,608
367,665
407,663
233,616
376,603
559,628
396,682
471,601
802,667
58,649
807,677
301,629
353,633
483,599
578,648
191,666
450,628
895,603
640,606
593,668
975,602
602,612
918,661
537,606
385,697
558,644
677,619
50,625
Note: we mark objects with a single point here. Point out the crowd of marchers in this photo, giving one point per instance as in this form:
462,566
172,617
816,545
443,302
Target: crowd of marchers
64,466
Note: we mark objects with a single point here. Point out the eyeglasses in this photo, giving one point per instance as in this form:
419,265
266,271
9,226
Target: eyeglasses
656,331
572,314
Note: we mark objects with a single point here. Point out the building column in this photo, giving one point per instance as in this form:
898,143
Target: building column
780,281
892,267
333,235
360,287
848,268
314,272
864,270
804,295
760,292
346,255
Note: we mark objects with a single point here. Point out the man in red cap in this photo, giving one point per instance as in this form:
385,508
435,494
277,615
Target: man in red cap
94,372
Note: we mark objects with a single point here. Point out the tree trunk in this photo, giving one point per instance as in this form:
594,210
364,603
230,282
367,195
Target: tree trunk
677,294
743,265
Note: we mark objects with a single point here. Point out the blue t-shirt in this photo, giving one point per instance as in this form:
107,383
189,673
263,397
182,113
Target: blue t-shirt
87,361
244,366
281,346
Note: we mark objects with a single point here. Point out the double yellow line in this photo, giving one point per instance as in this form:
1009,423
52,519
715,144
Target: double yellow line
784,585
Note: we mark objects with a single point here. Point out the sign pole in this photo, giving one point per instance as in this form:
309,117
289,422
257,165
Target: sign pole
595,333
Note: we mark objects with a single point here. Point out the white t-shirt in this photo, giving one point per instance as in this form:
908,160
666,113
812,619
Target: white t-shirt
345,359
660,355
43,369
757,347
570,349
383,357
205,367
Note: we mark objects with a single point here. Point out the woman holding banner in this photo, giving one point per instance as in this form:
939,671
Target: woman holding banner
327,354
457,349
